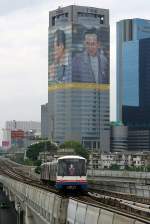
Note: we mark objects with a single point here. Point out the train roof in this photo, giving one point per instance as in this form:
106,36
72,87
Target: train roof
63,157
48,163
71,157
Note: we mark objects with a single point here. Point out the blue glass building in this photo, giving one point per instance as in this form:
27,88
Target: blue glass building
133,63
133,81
136,88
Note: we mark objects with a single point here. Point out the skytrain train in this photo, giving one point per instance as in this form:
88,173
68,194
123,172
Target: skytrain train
67,172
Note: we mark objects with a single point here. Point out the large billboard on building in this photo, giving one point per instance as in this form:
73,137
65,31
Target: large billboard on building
60,55
90,59
79,53
78,76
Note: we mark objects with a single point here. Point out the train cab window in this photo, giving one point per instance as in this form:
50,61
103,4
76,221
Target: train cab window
71,167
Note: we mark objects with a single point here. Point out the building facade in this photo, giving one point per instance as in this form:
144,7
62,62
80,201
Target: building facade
23,125
133,82
44,121
20,134
136,91
6,139
138,140
78,76
119,137
119,161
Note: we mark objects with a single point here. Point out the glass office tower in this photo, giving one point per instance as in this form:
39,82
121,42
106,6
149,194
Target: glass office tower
78,76
136,88
132,71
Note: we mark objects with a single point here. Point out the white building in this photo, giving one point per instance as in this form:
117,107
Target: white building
23,125
105,161
6,139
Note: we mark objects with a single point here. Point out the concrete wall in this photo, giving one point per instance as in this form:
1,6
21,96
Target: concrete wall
42,207
87,214
137,183
124,173
38,203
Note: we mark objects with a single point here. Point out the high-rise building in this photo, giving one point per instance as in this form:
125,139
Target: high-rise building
44,121
133,80
136,90
78,76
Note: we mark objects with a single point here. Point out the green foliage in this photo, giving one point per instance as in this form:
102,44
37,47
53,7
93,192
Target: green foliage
129,168
136,169
34,149
92,182
38,170
114,167
139,169
147,168
79,149
37,163
28,162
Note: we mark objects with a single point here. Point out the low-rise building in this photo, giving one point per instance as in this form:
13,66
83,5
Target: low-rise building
49,156
120,160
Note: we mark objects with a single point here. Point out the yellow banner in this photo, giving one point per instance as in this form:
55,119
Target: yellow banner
78,85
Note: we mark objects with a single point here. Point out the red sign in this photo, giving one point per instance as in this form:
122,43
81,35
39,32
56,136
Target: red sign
18,134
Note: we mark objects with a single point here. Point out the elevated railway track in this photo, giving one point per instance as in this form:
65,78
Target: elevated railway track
123,204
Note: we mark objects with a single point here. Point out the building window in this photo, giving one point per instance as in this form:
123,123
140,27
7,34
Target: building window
61,17
98,17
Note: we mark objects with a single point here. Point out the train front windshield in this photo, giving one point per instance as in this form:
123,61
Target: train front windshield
71,167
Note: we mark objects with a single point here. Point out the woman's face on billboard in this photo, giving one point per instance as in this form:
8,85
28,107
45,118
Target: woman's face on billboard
58,51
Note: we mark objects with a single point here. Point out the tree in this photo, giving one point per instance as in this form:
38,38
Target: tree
34,149
38,170
115,167
77,146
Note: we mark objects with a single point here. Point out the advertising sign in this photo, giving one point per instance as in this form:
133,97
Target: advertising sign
79,54
18,134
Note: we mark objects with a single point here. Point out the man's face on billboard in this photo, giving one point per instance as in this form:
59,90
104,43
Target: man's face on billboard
91,44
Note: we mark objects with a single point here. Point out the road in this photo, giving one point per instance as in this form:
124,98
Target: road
7,215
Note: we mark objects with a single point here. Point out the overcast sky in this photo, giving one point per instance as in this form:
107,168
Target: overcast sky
24,47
